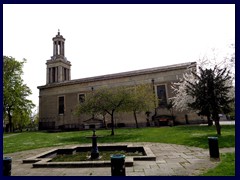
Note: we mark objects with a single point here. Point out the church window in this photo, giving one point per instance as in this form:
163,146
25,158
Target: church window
61,105
161,95
81,98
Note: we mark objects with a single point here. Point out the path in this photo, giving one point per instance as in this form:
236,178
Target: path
171,160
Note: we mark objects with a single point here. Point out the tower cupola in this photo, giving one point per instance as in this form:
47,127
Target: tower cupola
58,67
58,46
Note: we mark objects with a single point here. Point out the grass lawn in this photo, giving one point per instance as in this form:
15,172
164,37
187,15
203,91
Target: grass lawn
225,168
183,135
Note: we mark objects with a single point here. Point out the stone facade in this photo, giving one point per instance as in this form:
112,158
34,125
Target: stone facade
59,98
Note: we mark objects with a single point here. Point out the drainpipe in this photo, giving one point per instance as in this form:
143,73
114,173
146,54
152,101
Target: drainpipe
155,104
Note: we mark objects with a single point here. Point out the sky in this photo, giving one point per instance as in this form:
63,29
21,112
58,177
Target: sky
107,38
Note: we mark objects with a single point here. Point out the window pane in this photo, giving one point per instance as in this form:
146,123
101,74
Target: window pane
81,98
61,105
162,98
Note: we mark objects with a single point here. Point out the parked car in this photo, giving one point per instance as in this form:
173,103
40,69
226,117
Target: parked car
224,117
163,120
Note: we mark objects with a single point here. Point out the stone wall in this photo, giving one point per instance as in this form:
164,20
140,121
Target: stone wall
70,90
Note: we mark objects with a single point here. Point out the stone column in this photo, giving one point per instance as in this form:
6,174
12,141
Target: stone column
69,74
63,48
53,48
56,74
50,75
60,73
47,77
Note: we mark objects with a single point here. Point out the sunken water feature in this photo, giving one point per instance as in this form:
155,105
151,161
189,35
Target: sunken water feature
84,156
78,156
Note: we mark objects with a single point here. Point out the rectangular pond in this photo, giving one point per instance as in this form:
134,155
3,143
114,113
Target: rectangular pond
132,153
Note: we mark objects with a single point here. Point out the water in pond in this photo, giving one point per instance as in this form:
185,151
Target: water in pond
85,156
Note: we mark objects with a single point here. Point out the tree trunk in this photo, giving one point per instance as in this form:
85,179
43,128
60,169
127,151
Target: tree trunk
10,122
173,119
104,122
135,117
112,121
148,122
186,119
210,123
218,127
217,124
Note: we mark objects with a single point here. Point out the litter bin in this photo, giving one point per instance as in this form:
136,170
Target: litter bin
118,165
7,166
213,147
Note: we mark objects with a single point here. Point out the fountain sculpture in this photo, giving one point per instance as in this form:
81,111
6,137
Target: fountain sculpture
94,151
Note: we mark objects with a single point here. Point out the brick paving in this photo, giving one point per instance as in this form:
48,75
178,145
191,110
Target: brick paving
171,160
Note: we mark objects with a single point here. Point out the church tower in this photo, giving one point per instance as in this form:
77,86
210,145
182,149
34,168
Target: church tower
58,67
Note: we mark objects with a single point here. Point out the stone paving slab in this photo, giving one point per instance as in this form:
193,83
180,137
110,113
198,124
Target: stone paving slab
171,160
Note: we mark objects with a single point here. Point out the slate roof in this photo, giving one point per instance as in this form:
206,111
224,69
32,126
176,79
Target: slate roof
122,74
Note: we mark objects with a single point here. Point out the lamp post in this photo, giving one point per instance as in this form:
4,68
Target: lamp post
92,113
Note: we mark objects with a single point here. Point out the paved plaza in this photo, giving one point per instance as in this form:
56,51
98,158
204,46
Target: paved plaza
171,160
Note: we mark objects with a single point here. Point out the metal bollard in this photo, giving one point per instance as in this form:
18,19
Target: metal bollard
118,165
213,147
7,166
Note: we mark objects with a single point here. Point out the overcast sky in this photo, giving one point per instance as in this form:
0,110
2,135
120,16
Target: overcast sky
104,39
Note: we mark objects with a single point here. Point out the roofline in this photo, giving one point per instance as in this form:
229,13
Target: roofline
120,75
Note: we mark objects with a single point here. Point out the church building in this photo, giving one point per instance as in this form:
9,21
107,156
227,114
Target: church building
60,96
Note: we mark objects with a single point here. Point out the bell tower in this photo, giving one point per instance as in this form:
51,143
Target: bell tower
58,67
